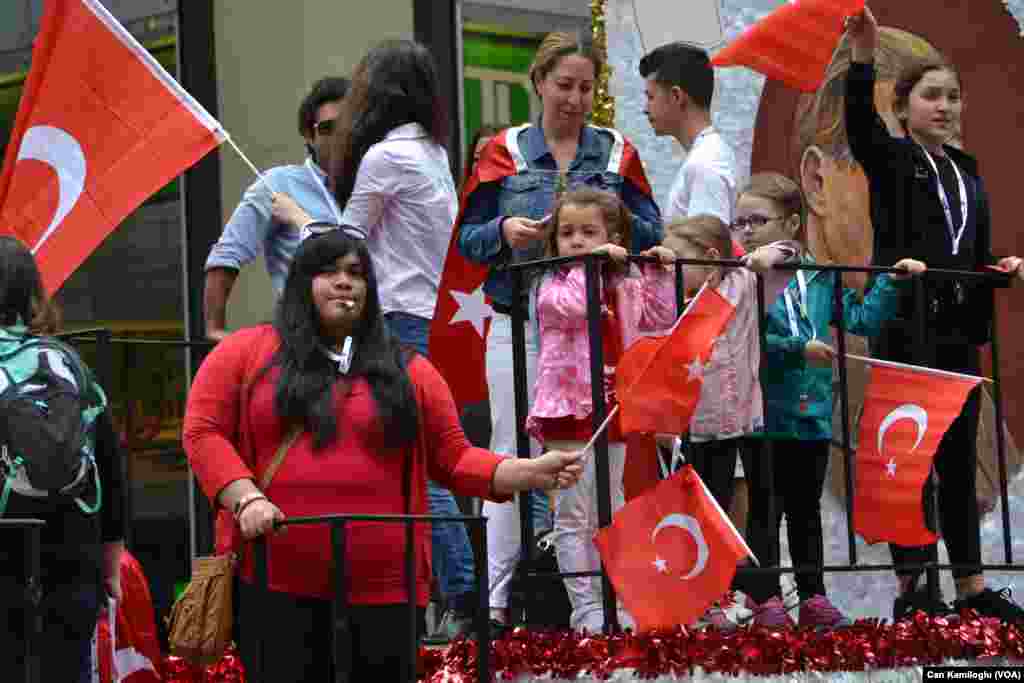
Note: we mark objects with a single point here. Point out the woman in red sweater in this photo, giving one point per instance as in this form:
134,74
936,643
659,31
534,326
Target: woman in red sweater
367,424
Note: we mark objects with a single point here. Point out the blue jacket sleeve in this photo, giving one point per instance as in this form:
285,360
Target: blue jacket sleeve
647,230
480,238
881,303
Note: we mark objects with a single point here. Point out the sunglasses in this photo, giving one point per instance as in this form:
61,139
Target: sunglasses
325,127
752,222
317,228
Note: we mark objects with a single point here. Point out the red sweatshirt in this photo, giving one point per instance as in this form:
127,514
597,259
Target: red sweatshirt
231,433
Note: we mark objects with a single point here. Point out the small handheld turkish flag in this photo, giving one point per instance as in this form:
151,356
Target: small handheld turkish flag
101,126
671,552
793,44
126,646
658,380
907,410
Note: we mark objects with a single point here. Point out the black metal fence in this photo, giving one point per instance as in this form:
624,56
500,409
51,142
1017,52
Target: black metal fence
593,264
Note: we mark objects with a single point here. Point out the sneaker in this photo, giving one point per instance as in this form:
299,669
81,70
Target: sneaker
771,614
451,625
990,603
716,617
819,612
912,601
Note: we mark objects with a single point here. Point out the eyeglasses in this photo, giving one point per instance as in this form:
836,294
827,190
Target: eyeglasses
325,127
317,228
752,223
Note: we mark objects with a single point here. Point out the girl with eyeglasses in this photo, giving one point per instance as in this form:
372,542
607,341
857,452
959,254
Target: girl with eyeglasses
797,383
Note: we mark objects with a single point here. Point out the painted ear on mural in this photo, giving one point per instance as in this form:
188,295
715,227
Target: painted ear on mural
658,23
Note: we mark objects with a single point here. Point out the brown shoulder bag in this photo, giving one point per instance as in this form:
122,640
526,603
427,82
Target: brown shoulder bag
201,621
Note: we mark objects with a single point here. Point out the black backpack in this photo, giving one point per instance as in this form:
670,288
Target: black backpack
48,404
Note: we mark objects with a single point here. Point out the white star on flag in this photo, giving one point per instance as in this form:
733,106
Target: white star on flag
473,308
890,468
661,565
695,370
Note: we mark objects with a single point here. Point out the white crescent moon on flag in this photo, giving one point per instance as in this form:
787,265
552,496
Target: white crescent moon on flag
58,149
908,411
690,524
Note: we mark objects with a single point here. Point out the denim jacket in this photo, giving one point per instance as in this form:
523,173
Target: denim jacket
531,195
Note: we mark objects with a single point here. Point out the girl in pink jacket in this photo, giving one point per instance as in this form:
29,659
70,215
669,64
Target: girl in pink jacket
633,299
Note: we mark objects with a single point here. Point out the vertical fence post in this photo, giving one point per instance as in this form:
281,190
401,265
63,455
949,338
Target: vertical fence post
839,316
341,624
597,394
481,621
410,590
931,488
33,600
260,585
765,455
997,398
519,321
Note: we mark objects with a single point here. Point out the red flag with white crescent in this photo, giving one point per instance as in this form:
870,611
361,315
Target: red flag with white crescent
462,316
793,44
671,552
907,410
126,645
101,126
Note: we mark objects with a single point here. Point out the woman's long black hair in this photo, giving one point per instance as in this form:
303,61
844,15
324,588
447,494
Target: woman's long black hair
22,295
305,388
395,83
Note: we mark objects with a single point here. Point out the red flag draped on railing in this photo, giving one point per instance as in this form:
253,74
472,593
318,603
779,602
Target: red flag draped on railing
793,44
671,552
658,379
907,410
101,126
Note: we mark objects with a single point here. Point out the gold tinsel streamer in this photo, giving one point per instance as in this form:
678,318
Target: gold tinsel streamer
604,103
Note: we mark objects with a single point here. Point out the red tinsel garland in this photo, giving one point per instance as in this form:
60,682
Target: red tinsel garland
869,644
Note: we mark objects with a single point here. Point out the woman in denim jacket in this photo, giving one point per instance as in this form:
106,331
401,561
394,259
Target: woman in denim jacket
504,221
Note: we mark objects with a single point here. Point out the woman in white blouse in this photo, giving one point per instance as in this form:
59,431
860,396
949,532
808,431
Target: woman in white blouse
390,173
392,177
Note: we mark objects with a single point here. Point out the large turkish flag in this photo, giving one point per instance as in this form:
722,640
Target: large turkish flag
101,126
793,44
907,410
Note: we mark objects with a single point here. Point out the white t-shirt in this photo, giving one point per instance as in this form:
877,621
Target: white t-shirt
706,182
405,200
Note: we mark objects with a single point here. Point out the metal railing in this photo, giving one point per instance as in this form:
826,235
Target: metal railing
593,263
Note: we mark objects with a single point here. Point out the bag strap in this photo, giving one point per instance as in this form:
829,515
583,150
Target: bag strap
289,440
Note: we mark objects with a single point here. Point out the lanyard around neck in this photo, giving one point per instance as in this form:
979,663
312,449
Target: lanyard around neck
961,190
323,190
801,305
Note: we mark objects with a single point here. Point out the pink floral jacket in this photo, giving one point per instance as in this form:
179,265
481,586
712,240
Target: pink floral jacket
730,401
645,302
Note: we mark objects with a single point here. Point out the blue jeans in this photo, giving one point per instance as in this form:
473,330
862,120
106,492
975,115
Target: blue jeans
452,554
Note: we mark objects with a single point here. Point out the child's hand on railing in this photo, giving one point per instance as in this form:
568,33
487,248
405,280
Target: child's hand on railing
1011,265
663,254
613,251
761,259
911,267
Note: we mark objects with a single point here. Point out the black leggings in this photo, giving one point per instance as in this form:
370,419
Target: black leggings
956,461
798,474
299,635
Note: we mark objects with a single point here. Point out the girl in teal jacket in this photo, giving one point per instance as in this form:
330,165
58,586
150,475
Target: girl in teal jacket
797,382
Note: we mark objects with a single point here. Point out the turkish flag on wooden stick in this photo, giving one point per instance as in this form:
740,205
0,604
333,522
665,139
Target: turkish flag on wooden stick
671,552
101,126
793,44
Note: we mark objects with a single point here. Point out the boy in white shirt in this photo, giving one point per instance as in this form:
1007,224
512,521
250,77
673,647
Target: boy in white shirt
680,85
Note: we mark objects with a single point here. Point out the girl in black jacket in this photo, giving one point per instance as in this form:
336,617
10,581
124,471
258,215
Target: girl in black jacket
928,203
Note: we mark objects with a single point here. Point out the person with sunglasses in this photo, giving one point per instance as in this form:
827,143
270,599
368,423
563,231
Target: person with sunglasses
276,206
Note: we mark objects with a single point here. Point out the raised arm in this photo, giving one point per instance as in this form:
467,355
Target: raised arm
868,137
